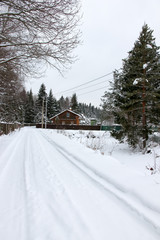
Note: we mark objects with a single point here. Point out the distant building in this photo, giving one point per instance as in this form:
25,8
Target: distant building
93,121
67,117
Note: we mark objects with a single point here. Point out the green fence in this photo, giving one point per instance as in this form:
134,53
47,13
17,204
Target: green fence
111,128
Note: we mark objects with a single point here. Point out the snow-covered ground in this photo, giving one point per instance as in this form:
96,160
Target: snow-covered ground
65,185
102,142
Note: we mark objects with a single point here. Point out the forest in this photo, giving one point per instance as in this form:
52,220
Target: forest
26,107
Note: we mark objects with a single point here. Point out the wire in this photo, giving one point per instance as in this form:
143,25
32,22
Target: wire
91,91
84,83
94,85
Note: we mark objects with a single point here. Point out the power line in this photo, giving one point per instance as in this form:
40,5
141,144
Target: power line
84,83
91,85
91,91
70,89
94,85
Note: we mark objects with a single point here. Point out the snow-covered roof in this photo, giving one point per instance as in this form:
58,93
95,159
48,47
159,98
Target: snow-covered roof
66,110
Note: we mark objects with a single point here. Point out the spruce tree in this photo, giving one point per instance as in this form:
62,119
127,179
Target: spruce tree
22,105
40,103
74,103
53,107
41,95
67,103
56,106
50,102
30,109
62,103
136,90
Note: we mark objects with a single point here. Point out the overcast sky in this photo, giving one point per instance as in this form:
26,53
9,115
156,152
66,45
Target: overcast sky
109,30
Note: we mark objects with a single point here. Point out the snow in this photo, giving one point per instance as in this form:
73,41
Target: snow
145,65
136,81
74,185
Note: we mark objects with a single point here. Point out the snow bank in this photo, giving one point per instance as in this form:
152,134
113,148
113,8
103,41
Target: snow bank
117,164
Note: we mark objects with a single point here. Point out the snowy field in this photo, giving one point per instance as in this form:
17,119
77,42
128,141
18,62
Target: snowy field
77,185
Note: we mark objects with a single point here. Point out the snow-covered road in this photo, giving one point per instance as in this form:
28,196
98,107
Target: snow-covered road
50,192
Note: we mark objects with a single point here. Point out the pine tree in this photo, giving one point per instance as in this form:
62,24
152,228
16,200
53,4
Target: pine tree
52,105
136,89
56,106
41,95
74,103
50,102
22,105
40,103
64,103
67,103
30,109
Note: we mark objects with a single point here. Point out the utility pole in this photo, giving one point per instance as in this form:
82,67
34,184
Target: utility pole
42,111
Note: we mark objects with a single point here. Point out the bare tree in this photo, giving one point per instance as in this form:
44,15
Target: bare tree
38,31
10,88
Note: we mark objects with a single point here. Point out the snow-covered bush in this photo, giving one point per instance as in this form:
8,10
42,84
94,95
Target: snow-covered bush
96,140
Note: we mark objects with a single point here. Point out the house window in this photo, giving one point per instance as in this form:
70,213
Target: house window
67,114
63,122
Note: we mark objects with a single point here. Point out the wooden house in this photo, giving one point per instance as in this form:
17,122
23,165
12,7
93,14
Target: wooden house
66,117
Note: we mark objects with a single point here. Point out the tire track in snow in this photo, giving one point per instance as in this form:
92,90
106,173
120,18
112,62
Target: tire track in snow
9,153
149,216
12,185
43,218
54,196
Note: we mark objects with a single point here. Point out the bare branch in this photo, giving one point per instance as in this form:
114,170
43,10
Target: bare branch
39,31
